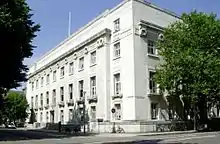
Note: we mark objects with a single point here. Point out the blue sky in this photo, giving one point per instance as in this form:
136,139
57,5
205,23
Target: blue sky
53,16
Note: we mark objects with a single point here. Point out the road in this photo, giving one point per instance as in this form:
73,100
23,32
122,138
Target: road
34,137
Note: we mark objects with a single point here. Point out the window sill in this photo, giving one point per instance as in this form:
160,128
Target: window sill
153,55
62,77
54,81
80,70
115,58
92,65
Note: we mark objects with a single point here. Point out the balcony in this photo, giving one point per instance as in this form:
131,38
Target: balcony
70,102
80,100
92,98
41,107
61,103
46,106
117,96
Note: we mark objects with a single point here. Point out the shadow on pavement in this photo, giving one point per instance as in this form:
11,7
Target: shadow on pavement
157,141
16,135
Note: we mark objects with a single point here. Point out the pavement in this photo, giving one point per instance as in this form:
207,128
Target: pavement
39,137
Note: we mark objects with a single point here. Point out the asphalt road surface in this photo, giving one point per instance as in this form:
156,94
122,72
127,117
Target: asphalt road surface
35,137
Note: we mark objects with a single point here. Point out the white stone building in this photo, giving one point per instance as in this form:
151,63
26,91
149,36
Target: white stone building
112,59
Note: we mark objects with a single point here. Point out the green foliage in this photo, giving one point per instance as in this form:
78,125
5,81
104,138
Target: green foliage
78,116
15,107
32,117
191,54
16,37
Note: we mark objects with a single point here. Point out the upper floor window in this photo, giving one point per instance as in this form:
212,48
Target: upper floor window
93,86
81,63
47,97
151,47
54,76
154,111
54,96
117,50
70,91
61,93
117,25
42,81
36,101
32,102
81,88
117,84
62,72
71,68
32,86
37,84
48,78
152,83
41,99
93,58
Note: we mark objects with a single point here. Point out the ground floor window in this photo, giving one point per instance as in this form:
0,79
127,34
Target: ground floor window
93,112
154,111
118,112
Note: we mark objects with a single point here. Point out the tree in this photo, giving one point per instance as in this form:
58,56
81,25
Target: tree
78,116
191,67
17,33
15,107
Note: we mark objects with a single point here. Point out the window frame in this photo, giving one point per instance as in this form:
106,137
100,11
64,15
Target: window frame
117,50
54,75
117,25
93,56
93,86
62,72
151,47
81,63
117,84
62,94
152,83
71,68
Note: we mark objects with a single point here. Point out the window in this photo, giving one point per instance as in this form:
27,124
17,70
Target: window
32,102
71,68
61,116
32,86
62,72
118,111
117,25
41,99
54,97
36,84
70,91
47,97
81,88
151,47
93,113
54,76
47,117
152,84
93,58
42,81
48,78
70,114
117,50
81,63
36,101
93,86
154,111
61,93
117,83
41,116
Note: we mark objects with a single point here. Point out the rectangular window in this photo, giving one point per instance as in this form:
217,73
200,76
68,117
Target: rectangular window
36,101
152,83
61,116
54,96
47,117
41,99
117,50
48,78
42,81
117,84
81,63
47,97
93,58
93,86
154,111
70,91
93,112
32,102
54,76
151,47
118,111
41,116
71,68
81,88
117,25
70,114
62,94
62,72
36,84
32,85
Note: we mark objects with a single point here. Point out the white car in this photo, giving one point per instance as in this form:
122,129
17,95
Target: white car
11,126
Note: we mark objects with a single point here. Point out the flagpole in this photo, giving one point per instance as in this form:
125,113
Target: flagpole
69,27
